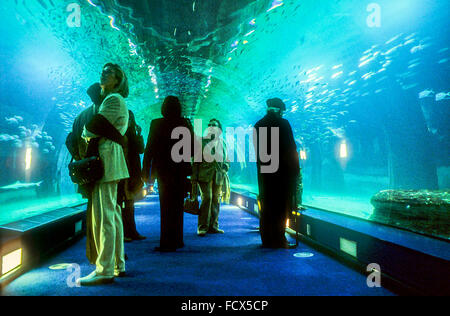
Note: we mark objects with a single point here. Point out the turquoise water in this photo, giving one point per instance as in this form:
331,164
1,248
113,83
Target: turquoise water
366,85
24,209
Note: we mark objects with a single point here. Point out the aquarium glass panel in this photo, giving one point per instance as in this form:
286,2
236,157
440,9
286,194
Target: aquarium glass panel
366,85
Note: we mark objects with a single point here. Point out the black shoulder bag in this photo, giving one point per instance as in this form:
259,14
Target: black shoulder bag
88,170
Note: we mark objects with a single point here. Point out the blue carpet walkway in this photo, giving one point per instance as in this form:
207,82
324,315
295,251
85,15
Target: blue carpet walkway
232,264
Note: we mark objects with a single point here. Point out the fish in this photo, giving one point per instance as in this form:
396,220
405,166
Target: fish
339,132
11,121
418,48
442,96
426,94
413,65
410,36
407,87
393,39
392,50
6,138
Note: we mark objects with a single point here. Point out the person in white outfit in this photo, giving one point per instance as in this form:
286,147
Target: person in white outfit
106,223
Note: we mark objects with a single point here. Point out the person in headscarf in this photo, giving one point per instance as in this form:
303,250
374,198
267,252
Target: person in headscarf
170,172
211,174
108,128
277,176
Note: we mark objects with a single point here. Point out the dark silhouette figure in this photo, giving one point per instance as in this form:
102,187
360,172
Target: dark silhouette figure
171,175
75,144
131,187
78,149
276,189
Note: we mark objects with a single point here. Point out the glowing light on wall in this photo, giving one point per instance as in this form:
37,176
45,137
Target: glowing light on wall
239,201
287,223
348,246
92,4
343,153
252,22
11,261
302,155
28,158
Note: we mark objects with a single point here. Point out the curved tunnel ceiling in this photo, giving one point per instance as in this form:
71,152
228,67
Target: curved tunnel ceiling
225,58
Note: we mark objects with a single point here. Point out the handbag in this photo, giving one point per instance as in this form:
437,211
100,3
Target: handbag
137,191
191,204
86,171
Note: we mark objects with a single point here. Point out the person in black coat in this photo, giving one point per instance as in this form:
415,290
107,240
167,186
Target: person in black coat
276,177
78,149
171,175
131,187
75,144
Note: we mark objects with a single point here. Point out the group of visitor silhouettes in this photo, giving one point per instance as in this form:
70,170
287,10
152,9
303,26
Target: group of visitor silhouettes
108,129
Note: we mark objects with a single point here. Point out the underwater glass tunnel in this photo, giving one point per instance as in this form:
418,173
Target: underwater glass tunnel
366,84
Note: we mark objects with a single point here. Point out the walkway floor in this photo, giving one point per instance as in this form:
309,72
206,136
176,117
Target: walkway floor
233,264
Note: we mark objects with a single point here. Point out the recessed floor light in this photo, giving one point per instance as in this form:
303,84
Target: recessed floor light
60,266
303,254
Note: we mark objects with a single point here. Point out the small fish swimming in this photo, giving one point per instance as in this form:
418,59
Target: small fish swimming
442,96
6,138
426,94
418,48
